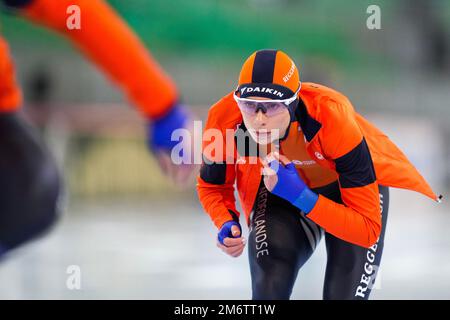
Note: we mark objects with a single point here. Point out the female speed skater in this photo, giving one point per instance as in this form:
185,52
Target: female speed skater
30,185
319,169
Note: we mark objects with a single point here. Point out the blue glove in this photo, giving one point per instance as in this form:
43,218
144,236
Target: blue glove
225,231
291,187
159,131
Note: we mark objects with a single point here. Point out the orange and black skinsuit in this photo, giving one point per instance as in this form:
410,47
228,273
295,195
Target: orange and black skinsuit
342,157
29,181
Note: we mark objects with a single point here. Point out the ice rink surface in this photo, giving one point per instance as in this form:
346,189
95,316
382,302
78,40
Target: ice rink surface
165,249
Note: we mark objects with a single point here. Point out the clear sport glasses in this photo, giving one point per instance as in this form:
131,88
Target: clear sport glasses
269,107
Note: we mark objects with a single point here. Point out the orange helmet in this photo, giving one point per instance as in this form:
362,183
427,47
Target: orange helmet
269,74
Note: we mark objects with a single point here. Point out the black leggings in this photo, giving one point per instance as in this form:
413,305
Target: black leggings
30,185
282,239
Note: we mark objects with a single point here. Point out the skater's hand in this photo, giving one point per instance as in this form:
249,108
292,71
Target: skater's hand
160,142
230,239
282,179
270,172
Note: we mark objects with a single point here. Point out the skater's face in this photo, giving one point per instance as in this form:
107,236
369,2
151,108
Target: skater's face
266,129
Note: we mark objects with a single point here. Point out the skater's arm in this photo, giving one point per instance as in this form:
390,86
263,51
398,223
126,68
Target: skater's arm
108,41
215,183
358,220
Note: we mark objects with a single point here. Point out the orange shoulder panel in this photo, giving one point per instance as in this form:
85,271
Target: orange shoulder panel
358,219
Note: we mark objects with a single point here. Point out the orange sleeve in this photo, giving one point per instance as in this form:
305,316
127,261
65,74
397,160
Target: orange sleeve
217,198
358,219
108,41
215,183
10,94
